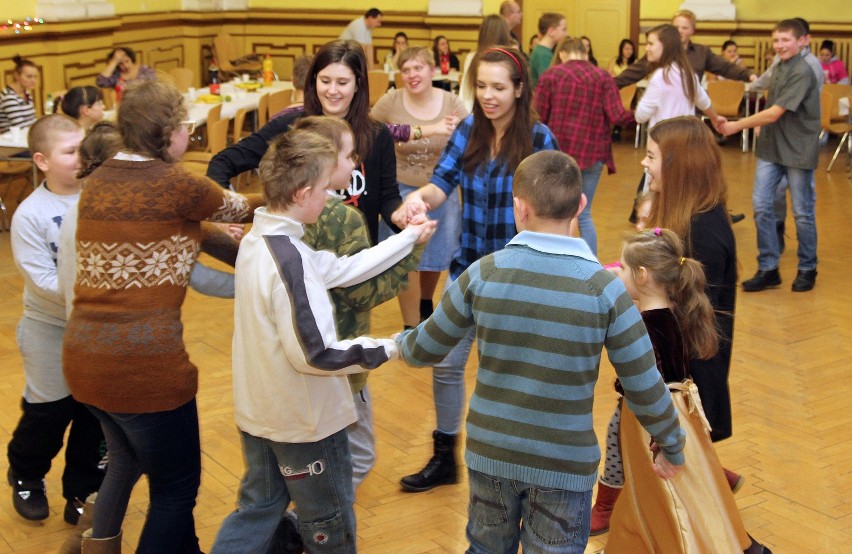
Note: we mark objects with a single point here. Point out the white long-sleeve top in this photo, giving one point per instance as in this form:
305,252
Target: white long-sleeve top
35,246
289,368
664,98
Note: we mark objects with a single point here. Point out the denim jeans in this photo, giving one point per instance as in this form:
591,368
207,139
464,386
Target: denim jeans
591,177
503,513
165,446
448,388
767,179
317,476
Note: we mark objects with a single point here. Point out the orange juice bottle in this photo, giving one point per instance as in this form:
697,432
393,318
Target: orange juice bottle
268,71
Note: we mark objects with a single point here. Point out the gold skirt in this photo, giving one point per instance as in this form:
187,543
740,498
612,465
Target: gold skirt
693,513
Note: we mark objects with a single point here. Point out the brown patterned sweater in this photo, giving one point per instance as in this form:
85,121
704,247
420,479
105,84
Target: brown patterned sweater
137,240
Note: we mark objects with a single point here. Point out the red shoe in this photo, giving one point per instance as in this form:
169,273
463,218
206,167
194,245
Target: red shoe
602,510
735,480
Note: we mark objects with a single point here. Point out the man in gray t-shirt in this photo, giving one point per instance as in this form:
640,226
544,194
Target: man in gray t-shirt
788,146
361,31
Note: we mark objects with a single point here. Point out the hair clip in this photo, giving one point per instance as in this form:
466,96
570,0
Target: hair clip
682,260
658,231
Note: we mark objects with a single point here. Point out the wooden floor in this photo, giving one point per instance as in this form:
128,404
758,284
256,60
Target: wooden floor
790,383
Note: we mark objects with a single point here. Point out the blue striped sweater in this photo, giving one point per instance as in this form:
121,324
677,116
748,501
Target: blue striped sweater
543,309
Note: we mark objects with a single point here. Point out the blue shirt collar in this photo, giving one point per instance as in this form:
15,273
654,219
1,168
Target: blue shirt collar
554,244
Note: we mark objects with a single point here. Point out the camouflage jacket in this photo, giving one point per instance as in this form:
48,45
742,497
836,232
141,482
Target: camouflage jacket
341,229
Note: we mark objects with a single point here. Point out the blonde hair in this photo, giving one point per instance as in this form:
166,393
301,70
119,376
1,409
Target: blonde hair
416,52
43,132
294,160
660,252
330,128
569,46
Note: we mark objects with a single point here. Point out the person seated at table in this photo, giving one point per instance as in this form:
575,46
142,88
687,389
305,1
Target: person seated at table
85,104
121,69
834,68
400,45
626,56
16,101
587,42
301,66
442,52
730,53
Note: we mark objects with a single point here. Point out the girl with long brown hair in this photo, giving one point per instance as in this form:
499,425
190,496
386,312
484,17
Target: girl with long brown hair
696,510
480,159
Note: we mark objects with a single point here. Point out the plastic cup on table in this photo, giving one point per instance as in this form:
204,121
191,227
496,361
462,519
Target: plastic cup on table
191,92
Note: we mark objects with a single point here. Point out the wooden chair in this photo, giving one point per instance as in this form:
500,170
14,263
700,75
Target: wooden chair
378,82
262,113
397,80
109,97
726,96
831,120
17,181
229,61
239,121
278,101
183,78
217,140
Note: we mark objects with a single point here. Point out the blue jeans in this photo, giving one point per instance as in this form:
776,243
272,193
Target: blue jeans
767,179
165,446
591,176
317,476
448,388
503,513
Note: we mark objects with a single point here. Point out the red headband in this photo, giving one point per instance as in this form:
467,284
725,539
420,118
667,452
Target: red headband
514,58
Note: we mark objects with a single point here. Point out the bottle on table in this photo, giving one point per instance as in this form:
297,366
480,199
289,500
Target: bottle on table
268,70
214,78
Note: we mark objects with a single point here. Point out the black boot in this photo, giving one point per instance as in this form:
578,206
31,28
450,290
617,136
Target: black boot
441,469
426,308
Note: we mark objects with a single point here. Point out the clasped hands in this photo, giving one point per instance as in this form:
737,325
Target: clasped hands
412,214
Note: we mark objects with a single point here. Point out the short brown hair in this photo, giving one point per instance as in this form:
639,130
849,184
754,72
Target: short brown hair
551,182
301,66
294,160
416,52
43,132
791,26
102,143
548,20
149,112
330,128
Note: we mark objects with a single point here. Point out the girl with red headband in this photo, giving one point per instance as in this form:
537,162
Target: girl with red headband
480,159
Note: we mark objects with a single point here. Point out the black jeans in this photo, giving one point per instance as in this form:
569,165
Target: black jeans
166,447
38,439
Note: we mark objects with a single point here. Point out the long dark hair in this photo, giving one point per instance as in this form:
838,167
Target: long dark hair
517,142
620,59
350,54
674,53
77,97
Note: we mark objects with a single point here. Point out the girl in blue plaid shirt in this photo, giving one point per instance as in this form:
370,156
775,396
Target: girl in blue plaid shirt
481,158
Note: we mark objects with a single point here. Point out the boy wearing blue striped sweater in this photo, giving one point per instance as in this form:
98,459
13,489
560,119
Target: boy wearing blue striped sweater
543,309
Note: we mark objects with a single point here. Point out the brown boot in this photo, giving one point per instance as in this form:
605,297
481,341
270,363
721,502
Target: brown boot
602,510
111,545
73,541
735,480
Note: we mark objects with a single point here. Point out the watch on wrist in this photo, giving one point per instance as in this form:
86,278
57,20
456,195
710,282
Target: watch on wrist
418,132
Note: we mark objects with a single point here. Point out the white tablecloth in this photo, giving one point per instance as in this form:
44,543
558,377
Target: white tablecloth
239,99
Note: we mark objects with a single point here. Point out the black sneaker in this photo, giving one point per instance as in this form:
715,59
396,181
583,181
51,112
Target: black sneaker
805,280
762,280
73,511
736,218
28,497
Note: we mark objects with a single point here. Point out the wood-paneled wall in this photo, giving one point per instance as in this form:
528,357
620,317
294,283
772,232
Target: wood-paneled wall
73,53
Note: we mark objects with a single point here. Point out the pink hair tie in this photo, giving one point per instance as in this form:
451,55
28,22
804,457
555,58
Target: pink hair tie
658,231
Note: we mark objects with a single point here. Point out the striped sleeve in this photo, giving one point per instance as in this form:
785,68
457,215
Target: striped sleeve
631,353
433,339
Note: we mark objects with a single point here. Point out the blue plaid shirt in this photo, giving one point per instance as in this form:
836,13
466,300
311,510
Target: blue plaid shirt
488,222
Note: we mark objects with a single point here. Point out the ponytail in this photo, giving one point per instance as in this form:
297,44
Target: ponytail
660,251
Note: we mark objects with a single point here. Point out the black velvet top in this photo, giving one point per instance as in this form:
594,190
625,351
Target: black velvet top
667,340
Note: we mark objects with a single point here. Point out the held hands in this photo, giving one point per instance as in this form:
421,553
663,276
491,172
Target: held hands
719,125
423,228
413,206
662,467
